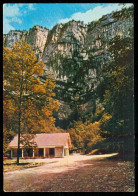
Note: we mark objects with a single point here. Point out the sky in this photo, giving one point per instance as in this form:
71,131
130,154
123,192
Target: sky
23,16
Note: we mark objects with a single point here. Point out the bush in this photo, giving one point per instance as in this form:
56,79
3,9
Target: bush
7,154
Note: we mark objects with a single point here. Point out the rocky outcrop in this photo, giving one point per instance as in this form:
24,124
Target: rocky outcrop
87,40
37,37
14,36
102,31
64,39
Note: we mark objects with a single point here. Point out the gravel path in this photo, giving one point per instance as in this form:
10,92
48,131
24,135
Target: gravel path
56,165
45,178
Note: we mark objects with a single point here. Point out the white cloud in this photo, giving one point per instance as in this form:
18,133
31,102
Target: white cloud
13,13
11,10
7,26
31,6
94,14
15,19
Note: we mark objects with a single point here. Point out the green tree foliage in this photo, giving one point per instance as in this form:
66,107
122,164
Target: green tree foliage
116,93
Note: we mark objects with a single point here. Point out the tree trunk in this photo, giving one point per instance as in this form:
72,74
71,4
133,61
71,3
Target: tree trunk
19,124
18,150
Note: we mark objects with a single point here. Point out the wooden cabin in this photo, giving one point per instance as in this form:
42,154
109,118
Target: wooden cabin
48,145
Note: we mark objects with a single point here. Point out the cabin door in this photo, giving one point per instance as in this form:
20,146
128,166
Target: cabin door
52,151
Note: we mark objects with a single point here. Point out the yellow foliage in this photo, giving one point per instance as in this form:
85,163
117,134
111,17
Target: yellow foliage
105,118
85,136
93,152
39,89
21,72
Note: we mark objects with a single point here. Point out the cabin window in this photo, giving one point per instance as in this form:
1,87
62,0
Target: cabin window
29,152
51,151
20,152
40,152
15,152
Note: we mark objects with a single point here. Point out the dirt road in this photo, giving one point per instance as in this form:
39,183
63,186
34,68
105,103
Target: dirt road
71,174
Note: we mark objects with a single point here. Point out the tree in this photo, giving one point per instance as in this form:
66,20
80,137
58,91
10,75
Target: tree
92,136
116,91
8,117
27,140
85,135
31,100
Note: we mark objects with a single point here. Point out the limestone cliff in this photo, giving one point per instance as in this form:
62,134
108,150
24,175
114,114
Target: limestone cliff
64,39
37,37
14,36
87,40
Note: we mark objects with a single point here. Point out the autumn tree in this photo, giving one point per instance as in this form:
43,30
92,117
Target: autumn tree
30,100
85,135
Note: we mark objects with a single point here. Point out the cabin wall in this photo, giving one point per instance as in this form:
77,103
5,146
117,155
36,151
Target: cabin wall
42,152
59,152
66,152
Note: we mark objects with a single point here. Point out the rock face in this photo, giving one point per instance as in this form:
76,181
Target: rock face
102,31
14,36
36,37
61,42
64,39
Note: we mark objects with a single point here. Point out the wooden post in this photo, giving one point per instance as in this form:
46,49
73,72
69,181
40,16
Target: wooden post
33,152
19,129
22,152
44,152
63,152
11,153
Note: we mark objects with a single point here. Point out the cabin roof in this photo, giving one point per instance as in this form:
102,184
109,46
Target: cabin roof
47,139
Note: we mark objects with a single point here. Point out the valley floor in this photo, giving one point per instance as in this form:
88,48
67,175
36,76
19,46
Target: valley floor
76,173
